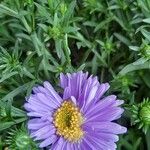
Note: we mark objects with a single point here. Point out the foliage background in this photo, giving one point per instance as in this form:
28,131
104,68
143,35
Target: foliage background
39,39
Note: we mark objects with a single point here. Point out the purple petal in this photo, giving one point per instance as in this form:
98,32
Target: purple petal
34,114
104,103
86,92
35,90
46,129
90,144
93,142
46,100
67,93
106,127
36,124
52,92
59,145
118,102
67,146
43,137
48,141
36,108
63,81
73,99
111,114
110,137
101,90
74,82
33,101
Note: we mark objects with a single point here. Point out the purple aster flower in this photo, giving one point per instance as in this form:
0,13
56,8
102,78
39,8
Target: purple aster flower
79,120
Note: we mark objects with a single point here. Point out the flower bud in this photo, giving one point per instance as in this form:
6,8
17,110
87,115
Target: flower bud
145,51
19,139
141,115
145,114
22,140
55,32
63,8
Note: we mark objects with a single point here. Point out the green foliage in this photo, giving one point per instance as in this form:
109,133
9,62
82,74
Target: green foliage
108,38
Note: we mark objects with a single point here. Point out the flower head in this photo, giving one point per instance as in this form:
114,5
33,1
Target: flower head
20,139
81,119
141,114
145,51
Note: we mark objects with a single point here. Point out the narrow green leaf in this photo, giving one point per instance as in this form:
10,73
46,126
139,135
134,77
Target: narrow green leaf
18,90
5,9
132,67
146,34
16,112
147,20
122,39
7,76
6,125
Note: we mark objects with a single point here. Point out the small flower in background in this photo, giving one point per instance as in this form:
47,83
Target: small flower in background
123,84
19,139
141,114
55,32
107,46
145,51
80,120
63,8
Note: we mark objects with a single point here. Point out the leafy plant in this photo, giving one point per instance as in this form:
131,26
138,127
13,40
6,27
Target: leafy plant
41,39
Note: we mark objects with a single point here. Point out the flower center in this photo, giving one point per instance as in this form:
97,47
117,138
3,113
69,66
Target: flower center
68,120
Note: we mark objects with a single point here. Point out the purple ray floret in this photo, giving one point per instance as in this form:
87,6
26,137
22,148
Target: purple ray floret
81,119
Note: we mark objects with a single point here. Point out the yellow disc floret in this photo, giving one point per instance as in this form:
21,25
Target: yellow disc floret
68,120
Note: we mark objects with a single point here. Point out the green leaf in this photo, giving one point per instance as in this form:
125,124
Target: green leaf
6,125
8,11
16,112
24,36
66,49
81,67
132,67
69,12
134,48
140,61
26,25
145,78
44,12
103,24
8,108
147,20
58,45
27,73
7,76
17,91
122,39
146,34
